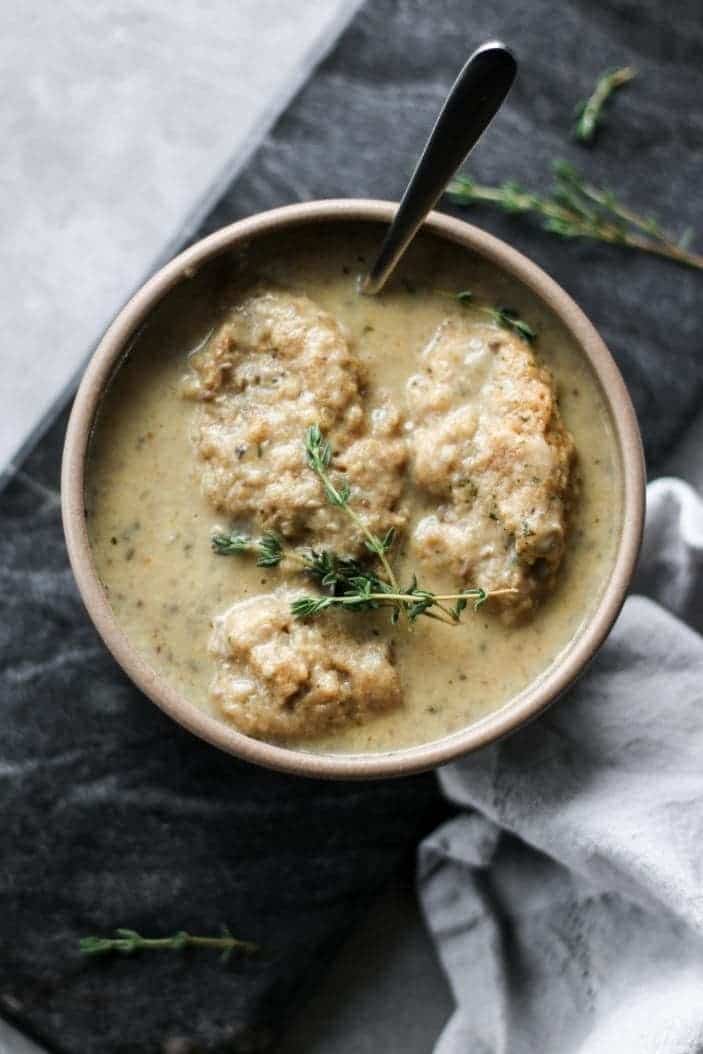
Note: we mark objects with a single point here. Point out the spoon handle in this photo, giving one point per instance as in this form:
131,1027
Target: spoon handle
472,103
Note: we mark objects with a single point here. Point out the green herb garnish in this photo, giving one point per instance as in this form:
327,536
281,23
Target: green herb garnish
318,455
590,111
268,547
350,585
126,942
464,296
508,318
576,208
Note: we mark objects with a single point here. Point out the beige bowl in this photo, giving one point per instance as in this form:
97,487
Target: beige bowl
530,702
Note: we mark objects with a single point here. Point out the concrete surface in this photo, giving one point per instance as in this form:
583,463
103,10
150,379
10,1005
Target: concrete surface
11,1042
116,120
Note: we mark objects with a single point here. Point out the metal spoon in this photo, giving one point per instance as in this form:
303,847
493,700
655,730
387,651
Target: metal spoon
475,98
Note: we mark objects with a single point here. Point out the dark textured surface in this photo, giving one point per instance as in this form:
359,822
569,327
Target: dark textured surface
363,118
113,816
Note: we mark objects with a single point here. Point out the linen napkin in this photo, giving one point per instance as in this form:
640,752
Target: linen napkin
566,899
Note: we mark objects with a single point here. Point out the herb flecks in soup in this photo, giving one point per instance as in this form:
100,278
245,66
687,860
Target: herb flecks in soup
485,464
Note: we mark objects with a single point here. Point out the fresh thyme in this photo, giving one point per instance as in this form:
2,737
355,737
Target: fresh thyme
590,111
464,296
508,318
414,601
349,584
326,568
126,942
227,544
576,208
268,547
318,454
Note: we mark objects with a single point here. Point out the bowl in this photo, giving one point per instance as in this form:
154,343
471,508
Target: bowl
490,728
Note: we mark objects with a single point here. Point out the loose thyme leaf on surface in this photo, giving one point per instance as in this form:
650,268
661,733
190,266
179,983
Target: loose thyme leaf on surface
126,942
575,208
328,569
590,111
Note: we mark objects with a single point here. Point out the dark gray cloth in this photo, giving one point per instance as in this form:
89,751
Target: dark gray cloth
113,816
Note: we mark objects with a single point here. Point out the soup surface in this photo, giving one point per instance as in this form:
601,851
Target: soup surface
154,498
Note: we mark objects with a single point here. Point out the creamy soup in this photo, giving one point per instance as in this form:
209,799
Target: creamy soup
427,369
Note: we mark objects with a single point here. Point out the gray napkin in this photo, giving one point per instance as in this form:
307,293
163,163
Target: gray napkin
566,899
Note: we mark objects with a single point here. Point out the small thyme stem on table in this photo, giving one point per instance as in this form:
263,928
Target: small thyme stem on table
590,111
126,942
576,208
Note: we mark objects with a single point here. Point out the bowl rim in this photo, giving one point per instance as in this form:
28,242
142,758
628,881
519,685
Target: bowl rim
533,700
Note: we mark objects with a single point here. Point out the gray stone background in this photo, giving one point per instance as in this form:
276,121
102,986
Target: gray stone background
121,122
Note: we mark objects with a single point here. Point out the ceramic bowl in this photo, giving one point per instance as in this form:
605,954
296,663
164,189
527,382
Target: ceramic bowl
532,701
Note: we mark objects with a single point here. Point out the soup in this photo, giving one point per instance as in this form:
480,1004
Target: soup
411,386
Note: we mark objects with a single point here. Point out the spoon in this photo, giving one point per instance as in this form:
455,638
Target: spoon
475,98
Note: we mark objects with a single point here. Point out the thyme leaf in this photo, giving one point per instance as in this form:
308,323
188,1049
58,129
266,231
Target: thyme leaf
269,546
270,550
463,296
229,543
508,318
590,111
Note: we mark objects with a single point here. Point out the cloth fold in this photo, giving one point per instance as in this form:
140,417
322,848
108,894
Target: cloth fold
566,900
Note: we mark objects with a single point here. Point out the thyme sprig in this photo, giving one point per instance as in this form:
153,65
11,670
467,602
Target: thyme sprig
318,454
327,568
576,208
507,317
590,111
464,296
414,601
350,585
127,942
268,547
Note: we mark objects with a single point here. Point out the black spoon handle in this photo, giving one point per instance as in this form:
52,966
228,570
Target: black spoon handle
472,103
